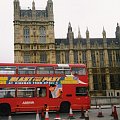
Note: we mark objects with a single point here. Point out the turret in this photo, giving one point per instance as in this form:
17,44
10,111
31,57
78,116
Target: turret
104,33
79,35
117,33
104,38
87,39
87,34
49,9
70,34
33,5
33,10
16,10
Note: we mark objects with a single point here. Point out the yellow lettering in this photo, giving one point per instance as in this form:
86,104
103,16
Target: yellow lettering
13,79
3,78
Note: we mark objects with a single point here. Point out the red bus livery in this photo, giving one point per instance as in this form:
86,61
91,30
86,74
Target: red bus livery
32,87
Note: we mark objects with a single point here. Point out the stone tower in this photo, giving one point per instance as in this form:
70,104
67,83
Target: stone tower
34,40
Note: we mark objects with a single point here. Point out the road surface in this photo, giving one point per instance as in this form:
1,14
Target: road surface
106,112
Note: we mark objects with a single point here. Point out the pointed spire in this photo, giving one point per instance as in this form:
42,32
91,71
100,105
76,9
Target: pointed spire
117,24
17,1
33,5
87,33
70,35
79,35
117,28
49,1
69,27
117,33
104,33
87,30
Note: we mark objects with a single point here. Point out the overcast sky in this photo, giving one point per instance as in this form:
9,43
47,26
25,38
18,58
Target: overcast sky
93,14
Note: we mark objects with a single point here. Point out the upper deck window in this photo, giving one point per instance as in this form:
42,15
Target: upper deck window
79,71
62,70
26,70
7,70
45,70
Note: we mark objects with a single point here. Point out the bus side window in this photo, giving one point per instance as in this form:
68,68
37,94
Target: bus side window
7,70
25,92
45,70
41,92
26,70
81,91
7,92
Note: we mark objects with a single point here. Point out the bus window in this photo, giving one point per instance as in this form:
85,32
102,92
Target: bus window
81,91
67,72
45,70
62,70
41,92
7,70
79,71
7,92
25,92
59,72
26,70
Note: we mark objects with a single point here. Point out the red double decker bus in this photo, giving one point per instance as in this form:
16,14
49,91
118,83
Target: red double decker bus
32,87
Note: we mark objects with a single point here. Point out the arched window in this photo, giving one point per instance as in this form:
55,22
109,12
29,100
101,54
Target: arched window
26,35
26,57
43,57
58,59
42,38
75,56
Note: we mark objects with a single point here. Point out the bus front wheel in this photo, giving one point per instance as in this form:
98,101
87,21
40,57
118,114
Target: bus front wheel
65,107
5,109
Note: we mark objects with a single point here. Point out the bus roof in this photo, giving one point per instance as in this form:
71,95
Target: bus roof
42,64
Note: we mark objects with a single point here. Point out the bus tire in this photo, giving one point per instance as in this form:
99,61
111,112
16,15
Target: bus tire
5,110
65,107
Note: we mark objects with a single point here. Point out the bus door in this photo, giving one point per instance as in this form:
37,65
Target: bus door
42,97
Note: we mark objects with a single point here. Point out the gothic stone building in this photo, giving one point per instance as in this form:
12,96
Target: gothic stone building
34,42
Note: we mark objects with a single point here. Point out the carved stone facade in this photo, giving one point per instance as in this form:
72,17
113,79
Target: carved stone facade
34,42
